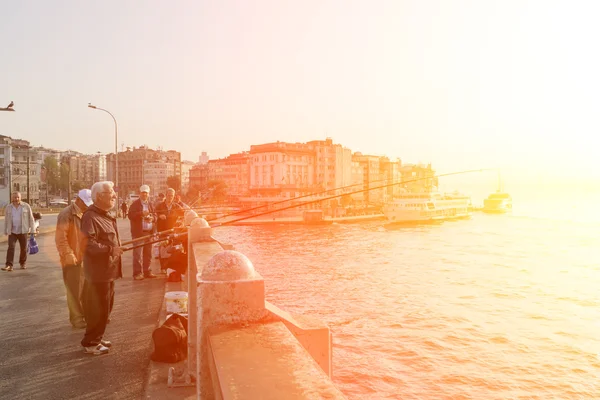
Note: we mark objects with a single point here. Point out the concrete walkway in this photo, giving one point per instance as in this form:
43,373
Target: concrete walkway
40,354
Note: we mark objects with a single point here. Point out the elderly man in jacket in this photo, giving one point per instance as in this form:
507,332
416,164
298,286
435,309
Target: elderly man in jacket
101,266
68,244
18,223
142,220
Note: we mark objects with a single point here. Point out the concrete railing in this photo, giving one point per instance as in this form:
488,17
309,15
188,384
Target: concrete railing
239,345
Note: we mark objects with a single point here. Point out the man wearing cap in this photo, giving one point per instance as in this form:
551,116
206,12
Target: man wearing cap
142,219
68,244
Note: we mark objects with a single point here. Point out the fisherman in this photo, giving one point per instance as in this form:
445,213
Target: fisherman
68,243
142,219
168,212
101,265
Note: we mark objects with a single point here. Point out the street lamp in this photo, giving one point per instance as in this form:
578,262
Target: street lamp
116,149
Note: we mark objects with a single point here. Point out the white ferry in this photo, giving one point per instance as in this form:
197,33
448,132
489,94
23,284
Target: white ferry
427,207
497,203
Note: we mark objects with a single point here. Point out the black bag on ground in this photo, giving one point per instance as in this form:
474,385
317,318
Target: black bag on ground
170,340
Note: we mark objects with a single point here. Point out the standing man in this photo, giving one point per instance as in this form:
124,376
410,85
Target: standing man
101,265
68,244
168,212
18,223
159,199
142,220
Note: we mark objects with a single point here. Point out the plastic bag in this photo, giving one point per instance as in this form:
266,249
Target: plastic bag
32,245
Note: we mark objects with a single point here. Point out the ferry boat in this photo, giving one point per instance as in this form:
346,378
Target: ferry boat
497,203
427,207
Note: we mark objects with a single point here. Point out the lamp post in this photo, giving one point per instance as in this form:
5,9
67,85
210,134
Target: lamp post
116,148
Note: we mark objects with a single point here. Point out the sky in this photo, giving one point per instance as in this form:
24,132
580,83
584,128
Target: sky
461,84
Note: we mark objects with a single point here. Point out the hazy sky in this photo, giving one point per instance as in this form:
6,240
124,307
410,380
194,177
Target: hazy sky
463,84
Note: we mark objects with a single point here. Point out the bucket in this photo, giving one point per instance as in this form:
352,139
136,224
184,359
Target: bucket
176,302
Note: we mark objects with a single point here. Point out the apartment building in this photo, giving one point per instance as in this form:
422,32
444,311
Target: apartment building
372,177
186,166
25,170
234,171
419,178
142,165
282,170
332,164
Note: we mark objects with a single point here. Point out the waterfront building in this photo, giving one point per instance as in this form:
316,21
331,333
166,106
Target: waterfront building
186,166
371,177
419,178
203,159
198,177
390,175
136,163
233,171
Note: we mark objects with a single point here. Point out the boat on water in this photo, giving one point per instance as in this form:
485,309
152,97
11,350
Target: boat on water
427,207
499,202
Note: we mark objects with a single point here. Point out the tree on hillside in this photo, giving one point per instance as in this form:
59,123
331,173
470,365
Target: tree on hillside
174,182
63,183
217,191
52,173
193,195
77,186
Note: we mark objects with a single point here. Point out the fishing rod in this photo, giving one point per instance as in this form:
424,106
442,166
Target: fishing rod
142,238
350,193
292,199
152,241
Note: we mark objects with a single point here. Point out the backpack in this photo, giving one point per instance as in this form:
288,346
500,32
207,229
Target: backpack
170,340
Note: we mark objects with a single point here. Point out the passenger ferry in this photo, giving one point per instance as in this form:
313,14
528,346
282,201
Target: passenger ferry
427,207
497,203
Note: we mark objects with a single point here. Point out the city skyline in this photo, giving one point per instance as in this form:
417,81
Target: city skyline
462,85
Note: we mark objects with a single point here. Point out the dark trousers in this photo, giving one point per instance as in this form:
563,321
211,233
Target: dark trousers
98,301
73,278
142,258
10,254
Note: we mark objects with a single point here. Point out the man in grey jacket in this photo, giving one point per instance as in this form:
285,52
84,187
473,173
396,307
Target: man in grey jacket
18,223
68,244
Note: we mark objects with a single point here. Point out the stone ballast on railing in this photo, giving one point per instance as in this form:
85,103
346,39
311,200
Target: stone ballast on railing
244,347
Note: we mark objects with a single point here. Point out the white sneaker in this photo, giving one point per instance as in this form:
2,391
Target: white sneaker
96,350
105,343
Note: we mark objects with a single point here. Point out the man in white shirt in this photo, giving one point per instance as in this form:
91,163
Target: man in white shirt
18,223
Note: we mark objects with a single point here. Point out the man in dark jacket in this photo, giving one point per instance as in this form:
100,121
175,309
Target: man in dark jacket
167,213
142,220
68,244
101,265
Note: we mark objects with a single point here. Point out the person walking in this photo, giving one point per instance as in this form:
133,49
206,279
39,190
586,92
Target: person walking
68,244
142,219
18,223
124,209
101,266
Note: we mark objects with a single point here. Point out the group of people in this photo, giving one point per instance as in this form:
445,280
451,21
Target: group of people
88,242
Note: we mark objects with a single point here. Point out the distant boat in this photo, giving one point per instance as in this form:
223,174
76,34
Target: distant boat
427,207
499,202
